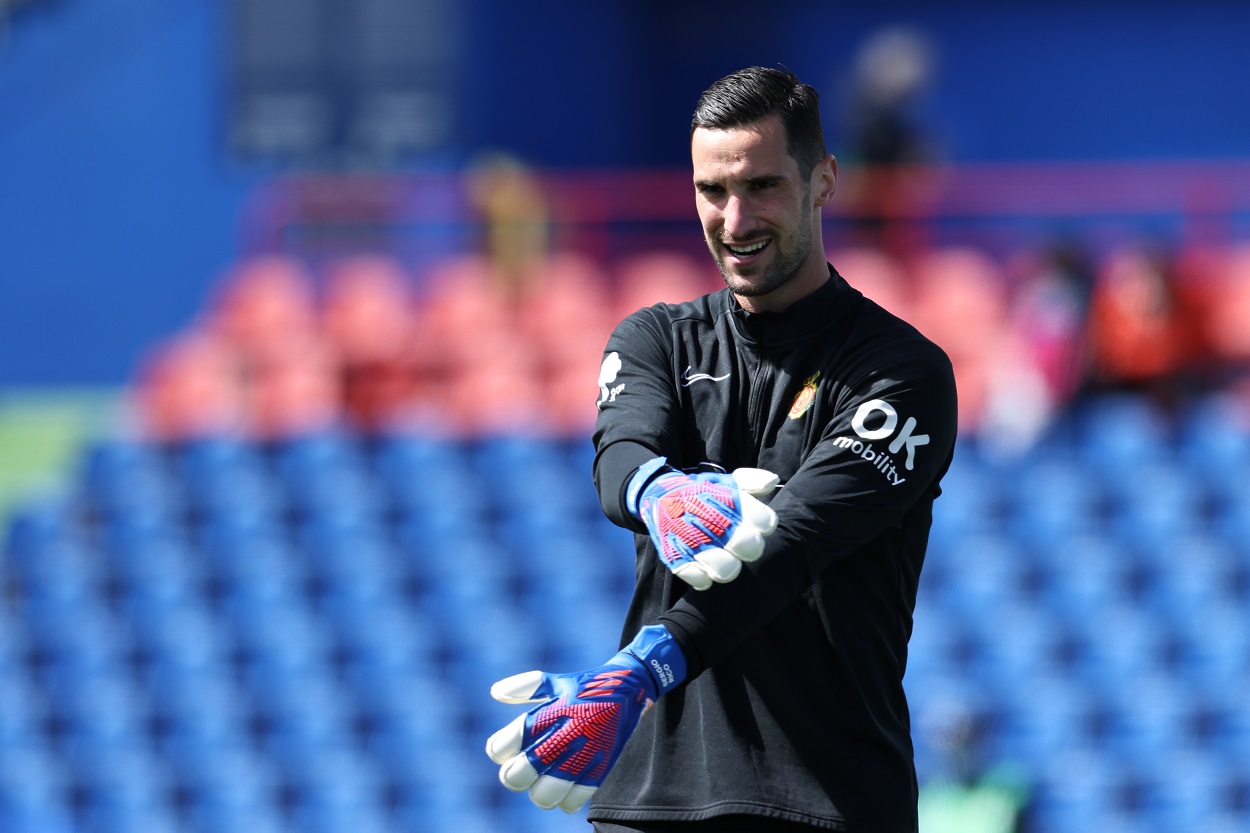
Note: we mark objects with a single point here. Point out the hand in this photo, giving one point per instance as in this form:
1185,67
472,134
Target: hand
563,748
704,524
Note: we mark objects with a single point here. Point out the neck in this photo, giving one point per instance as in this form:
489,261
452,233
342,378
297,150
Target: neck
812,278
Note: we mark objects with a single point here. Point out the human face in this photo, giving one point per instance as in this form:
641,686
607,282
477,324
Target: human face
760,213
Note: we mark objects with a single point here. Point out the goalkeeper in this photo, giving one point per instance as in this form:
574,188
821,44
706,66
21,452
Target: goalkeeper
759,683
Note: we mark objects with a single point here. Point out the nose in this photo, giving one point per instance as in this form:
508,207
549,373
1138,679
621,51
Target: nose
736,217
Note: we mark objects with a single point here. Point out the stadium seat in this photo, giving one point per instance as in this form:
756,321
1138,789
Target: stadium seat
1117,434
228,787
1048,500
647,278
174,636
1155,712
200,714
338,789
1082,573
1080,789
1212,649
1043,719
1121,646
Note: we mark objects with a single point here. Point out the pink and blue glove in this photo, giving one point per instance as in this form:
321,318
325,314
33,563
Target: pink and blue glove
563,748
704,524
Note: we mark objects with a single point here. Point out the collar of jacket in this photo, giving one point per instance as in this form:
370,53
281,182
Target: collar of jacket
805,317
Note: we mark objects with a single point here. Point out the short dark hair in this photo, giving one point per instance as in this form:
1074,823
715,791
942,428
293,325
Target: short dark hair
755,93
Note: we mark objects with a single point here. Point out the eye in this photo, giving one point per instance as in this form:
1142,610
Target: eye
709,189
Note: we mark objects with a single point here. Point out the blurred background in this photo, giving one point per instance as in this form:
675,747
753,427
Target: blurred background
302,304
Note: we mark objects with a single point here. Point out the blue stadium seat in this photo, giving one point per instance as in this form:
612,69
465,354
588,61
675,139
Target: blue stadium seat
35,790
385,637
338,790
227,818
161,571
177,637
351,552
1213,646
1151,717
1082,575
38,524
241,555
23,712
1214,445
444,549
300,711
450,782
198,709
1116,434
1192,572
223,474
77,637
286,637
581,633
1050,500
1120,645
431,478
1155,503
972,498
124,788
983,570
120,476
223,785
1043,718
1182,788
439,809
62,572
1079,789
266,575
1016,644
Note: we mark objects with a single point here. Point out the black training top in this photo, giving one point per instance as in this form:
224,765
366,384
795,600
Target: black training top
794,705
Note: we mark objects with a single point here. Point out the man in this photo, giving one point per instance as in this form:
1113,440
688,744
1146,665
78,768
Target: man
772,640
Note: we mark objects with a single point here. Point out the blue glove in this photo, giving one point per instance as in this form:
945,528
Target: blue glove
562,749
704,524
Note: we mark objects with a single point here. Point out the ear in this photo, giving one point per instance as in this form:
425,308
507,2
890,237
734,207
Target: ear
824,181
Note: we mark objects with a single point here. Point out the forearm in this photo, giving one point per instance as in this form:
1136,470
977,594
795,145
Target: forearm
615,464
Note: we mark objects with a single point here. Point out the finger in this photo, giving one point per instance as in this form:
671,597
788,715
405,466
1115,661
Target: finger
578,795
720,565
693,574
548,791
758,515
527,687
506,743
746,543
518,774
759,482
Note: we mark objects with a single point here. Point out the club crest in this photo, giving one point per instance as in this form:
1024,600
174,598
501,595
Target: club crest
805,397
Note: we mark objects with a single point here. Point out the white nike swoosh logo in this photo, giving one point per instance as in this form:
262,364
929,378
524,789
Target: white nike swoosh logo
691,378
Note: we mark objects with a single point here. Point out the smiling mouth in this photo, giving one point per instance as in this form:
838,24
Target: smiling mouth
746,251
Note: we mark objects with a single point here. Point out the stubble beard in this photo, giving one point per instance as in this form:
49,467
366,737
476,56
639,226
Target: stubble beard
784,267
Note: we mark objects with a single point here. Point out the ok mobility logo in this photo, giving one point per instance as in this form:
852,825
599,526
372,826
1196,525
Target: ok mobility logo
906,438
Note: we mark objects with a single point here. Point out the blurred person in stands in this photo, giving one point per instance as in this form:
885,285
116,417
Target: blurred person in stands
1050,307
1142,334
890,140
510,200
759,683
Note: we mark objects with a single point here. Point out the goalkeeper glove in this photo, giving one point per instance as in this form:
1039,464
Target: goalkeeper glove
562,749
704,524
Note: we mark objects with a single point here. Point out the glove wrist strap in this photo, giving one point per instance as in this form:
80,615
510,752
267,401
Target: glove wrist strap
644,475
660,654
